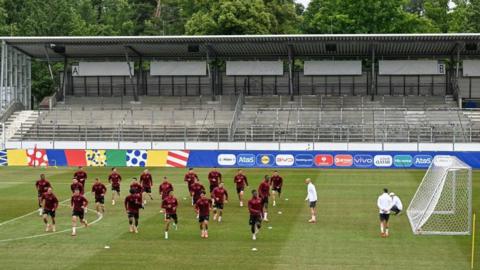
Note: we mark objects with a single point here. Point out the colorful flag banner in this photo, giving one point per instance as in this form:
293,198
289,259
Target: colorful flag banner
136,158
96,158
116,158
177,159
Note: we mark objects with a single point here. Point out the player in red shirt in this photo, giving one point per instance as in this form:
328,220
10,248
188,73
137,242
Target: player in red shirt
115,178
170,204
164,189
196,189
240,181
219,196
50,204
264,192
147,182
78,203
276,181
99,189
76,185
255,208
189,178
215,178
41,185
133,203
203,207
135,185
80,175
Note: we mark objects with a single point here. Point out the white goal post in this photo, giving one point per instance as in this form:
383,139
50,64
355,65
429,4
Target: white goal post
442,204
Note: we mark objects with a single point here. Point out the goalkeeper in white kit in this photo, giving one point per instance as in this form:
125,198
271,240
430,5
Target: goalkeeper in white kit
397,205
384,203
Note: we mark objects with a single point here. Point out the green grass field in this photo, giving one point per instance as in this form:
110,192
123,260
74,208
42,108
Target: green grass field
346,236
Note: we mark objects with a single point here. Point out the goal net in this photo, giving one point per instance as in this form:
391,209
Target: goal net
442,204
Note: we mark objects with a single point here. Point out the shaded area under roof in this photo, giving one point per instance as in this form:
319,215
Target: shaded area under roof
249,46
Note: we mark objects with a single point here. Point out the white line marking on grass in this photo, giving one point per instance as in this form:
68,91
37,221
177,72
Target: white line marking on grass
100,217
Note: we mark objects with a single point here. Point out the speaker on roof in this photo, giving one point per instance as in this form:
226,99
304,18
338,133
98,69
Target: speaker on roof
331,47
193,48
57,48
471,46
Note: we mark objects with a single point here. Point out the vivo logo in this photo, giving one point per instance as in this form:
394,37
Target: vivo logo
363,160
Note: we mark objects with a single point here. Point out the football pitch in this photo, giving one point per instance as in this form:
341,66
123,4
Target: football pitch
346,235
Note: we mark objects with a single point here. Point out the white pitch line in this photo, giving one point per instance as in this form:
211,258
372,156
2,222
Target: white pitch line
100,217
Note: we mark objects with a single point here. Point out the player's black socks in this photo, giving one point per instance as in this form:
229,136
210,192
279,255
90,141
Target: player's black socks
253,228
136,222
130,221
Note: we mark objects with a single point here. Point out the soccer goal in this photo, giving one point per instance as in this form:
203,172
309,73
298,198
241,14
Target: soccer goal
442,204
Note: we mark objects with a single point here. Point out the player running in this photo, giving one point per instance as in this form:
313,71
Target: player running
189,178
203,206
80,175
240,181
76,185
115,178
215,178
276,181
99,189
50,204
384,203
255,208
196,190
170,205
397,205
42,186
146,181
312,200
264,192
219,196
78,203
133,203
135,185
164,189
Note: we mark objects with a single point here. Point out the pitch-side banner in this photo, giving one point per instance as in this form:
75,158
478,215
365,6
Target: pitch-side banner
314,159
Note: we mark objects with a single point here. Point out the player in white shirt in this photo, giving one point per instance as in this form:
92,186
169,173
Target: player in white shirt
397,205
384,203
312,199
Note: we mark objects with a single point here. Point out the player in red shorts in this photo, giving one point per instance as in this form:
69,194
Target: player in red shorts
42,186
135,185
240,181
164,189
215,178
276,181
255,208
115,178
203,207
76,185
133,203
170,204
78,203
80,175
146,181
189,178
264,192
99,189
219,196
50,204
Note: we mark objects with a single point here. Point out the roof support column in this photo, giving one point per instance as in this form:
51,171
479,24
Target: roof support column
374,81
211,70
2,76
291,67
65,78
130,72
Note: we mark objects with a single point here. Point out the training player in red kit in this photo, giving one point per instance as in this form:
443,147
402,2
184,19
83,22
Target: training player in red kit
80,175
42,186
264,192
276,181
78,203
215,178
135,185
203,206
164,189
189,178
196,192
76,185
50,204
146,181
99,189
115,178
170,204
219,196
255,208
240,181
133,203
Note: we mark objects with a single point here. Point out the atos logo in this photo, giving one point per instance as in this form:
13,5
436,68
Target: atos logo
304,160
284,160
246,160
226,159
323,160
383,160
363,161
422,161
343,160
265,160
